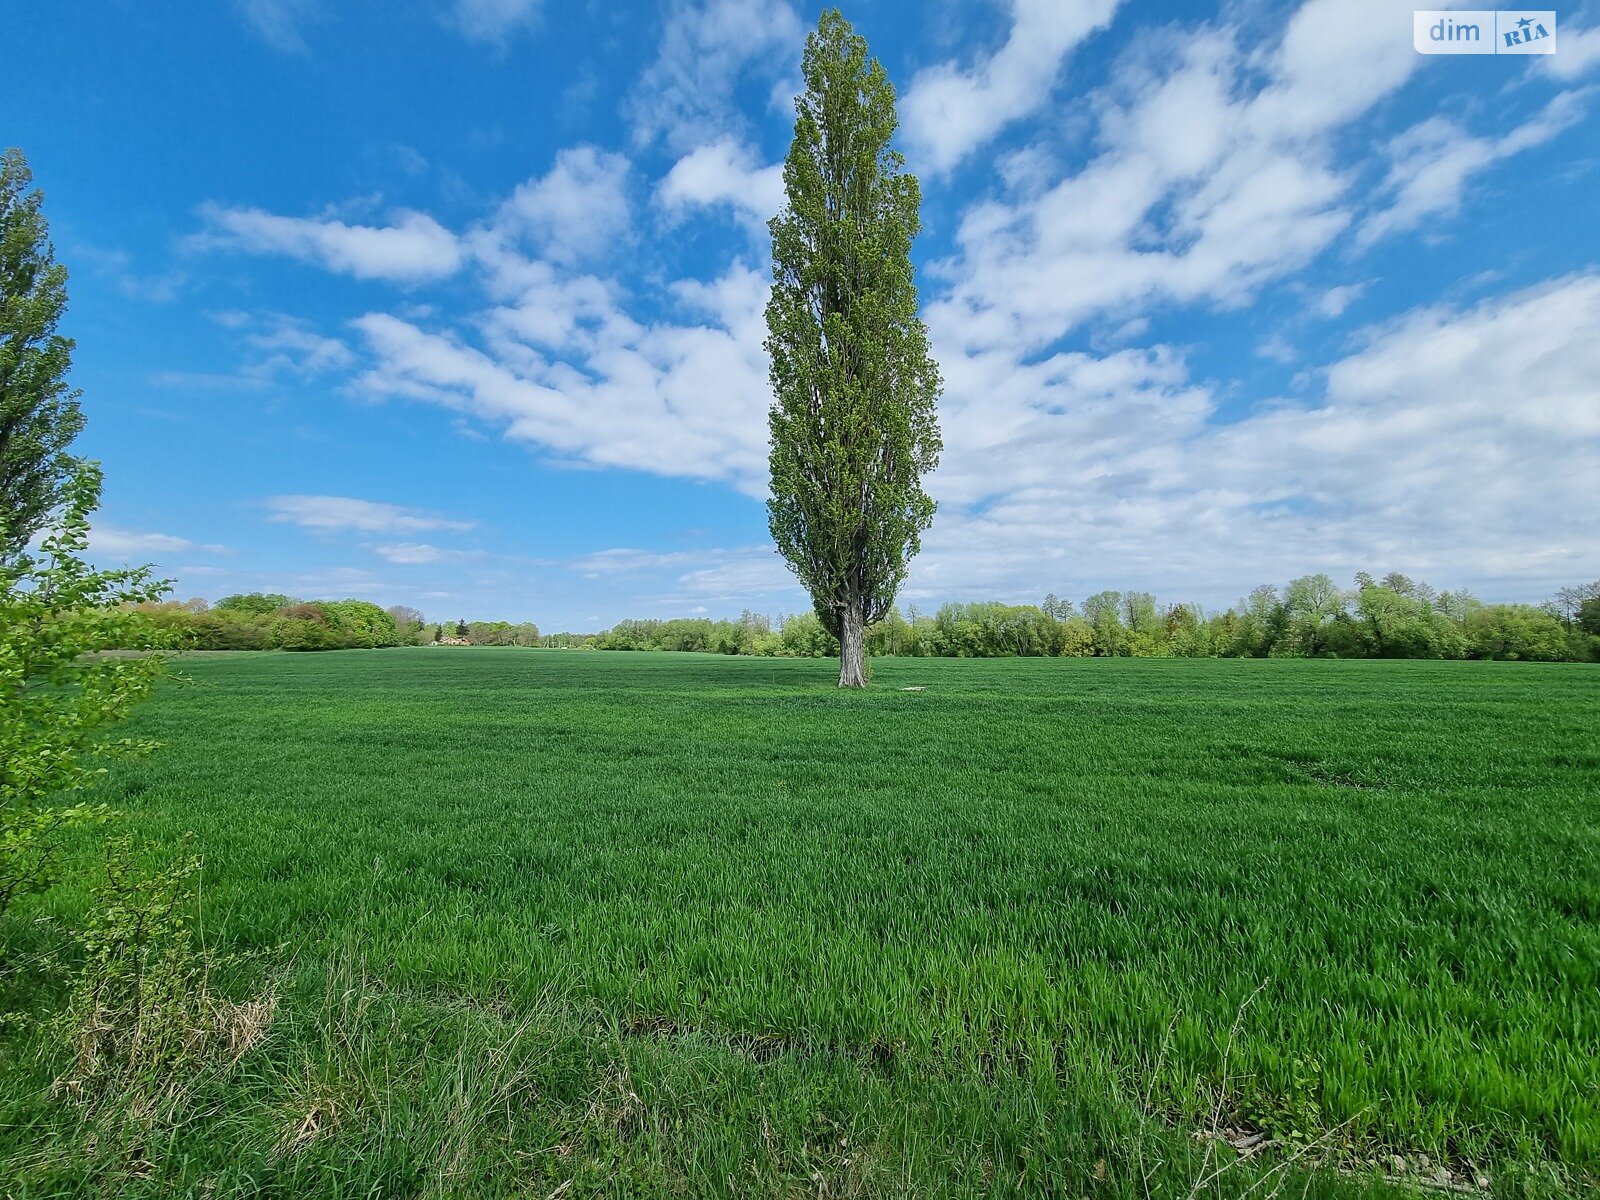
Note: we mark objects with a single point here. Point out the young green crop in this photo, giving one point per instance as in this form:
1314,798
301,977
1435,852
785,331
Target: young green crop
991,933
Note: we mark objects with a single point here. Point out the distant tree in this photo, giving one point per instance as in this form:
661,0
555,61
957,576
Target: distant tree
438,632
1186,632
410,625
1516,631
1405,623
361,624
1312,604
1103,612
1569,600
1411,589
1588,617
1055,607
1262,622
1222,634
1457,605
891,636
461,629
803,636
255,603
1075,639
1139,611
854,420
39,414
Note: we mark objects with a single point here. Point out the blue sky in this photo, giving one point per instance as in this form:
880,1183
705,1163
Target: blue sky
457,303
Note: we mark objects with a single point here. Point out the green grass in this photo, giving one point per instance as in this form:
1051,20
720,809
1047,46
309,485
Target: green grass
687,925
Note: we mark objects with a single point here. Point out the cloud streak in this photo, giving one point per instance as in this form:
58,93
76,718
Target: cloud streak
412,249
336,514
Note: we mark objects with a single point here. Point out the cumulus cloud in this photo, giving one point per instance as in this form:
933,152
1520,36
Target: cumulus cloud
1216,161
674,399
1463,441
949,111
1214,175
725,173
414,248
709,49
576,209
330,514
1578,53
1333,302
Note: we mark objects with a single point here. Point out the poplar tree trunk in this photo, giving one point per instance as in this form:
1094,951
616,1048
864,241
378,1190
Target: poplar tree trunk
852,648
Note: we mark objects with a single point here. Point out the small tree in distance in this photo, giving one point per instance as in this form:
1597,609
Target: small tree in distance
854,418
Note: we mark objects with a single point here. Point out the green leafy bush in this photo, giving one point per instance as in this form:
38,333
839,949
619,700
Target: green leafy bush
60,690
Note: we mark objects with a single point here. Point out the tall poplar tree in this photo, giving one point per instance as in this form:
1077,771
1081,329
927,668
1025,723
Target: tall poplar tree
854,419
39,414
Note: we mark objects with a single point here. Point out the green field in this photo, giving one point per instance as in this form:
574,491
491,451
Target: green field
685,925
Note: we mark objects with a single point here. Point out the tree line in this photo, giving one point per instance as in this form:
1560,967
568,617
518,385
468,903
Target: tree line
273,621
1312,617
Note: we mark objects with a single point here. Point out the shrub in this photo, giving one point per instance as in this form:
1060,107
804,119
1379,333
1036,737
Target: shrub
59,690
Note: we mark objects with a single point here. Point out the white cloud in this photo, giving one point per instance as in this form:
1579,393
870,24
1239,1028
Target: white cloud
1214,174
277,21
414,248
1336,60
1278,349
724,173
1333,302
414,553
1431,163
336,513
681,400
1215,161
744,576
284,344
626,561
1577,51
947,112
128,544
709,48
739,575
1461,443
494,20
578,208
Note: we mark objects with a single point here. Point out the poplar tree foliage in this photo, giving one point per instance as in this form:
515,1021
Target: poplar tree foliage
39,415
854,420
